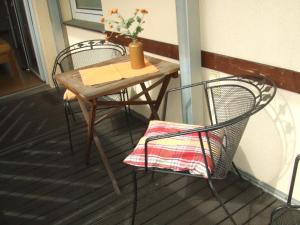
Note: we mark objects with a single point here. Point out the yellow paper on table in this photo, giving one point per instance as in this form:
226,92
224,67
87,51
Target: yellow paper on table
127,72
113,72
98,75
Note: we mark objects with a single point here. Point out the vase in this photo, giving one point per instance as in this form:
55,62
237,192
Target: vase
136,54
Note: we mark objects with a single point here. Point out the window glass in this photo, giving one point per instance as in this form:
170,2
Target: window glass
89,4
87,10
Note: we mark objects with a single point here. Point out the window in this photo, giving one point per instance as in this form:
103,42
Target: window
90,10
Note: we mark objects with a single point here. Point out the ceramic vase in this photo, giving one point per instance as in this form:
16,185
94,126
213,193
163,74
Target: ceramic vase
136,54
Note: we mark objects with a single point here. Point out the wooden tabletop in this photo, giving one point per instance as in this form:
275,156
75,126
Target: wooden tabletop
72,79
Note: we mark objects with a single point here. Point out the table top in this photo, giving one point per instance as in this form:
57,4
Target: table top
72,79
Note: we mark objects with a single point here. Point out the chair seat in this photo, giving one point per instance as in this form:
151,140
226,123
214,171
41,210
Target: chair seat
287,216
4,47
69,95
180,153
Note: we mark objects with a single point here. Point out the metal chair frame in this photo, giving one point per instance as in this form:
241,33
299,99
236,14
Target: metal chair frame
289,205
84,46
262,90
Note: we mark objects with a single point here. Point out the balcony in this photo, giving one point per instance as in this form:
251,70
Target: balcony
42,182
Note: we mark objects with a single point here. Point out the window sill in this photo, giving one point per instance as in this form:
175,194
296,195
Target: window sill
87,25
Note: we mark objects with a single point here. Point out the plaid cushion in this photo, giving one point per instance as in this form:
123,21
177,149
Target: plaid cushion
180,153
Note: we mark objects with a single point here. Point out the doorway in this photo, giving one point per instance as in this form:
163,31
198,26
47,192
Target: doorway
14,30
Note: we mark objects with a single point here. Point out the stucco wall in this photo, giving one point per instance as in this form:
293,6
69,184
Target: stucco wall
264,32
160,22
261,31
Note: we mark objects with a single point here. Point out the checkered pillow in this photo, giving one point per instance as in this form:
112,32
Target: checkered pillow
180,153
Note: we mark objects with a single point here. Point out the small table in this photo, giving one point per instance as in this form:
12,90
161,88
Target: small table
88,97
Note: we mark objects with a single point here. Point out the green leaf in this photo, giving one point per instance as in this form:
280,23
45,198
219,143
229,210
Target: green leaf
139,29
129,22
138,19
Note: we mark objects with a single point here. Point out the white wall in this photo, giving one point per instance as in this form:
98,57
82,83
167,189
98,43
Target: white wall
265,32
76,35
261,31
160,26
160,22
271,142
46,34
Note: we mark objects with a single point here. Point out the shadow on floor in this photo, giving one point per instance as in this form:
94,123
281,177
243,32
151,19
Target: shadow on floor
10,84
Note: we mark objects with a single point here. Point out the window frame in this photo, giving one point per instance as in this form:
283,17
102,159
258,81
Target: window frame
91,15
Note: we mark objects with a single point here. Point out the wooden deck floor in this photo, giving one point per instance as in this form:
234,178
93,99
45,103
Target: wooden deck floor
42,183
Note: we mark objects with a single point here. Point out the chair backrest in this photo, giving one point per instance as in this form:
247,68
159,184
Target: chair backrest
231,101
84,54
288,214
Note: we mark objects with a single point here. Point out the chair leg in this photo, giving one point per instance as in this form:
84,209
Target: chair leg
71,111
128,119
135,198
68,126
127,97
124,97
237,170
215,193
152,175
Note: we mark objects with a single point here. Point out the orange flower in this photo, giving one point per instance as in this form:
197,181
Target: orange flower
144,11
106,37
113,11
102,20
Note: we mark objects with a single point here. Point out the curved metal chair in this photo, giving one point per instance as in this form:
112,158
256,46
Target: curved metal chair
288,214
80,55
166,147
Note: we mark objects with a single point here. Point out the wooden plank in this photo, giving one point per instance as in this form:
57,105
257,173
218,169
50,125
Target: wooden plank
250,210
77,135
218,214
284,78
265,215
162,189
202,208
83,168
43,206
76,162
103,181
188,203
123,156
108,204
27,171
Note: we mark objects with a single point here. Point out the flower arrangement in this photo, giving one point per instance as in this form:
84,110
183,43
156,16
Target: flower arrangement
130,27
